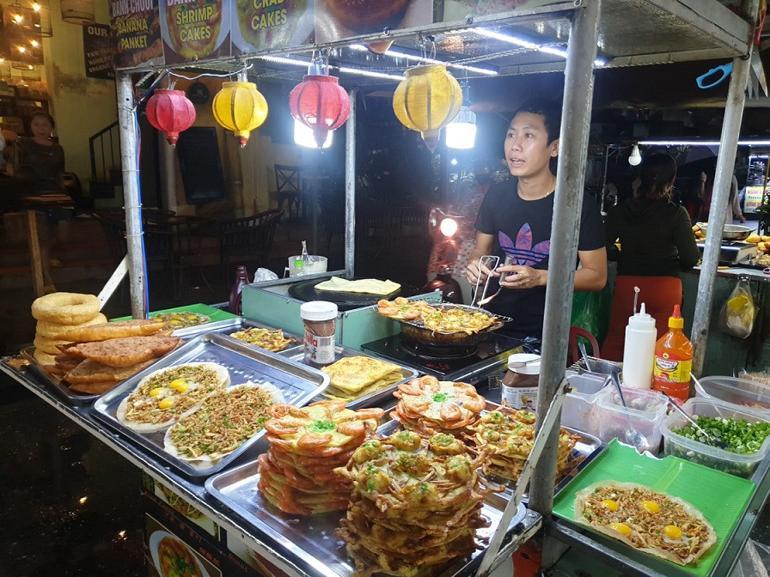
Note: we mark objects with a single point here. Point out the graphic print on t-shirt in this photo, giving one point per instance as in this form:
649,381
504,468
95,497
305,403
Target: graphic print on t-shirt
522,252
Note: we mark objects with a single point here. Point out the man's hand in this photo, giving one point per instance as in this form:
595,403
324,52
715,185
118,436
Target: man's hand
475,274
521,277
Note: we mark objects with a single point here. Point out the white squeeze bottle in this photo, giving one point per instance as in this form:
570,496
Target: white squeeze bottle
639,350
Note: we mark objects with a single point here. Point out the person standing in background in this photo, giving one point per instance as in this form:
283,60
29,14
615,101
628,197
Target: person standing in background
38,160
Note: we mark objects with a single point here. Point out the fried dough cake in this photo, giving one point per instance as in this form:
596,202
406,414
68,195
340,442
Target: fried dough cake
116,330
89,371
124,352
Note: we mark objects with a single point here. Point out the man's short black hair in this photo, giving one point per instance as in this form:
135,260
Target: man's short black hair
549,110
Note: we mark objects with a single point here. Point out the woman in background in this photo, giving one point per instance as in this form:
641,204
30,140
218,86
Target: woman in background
656,245
38,159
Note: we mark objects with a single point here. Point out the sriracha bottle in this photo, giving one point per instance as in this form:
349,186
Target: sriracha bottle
673,360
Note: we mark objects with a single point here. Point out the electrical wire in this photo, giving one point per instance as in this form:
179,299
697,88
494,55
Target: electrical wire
211,74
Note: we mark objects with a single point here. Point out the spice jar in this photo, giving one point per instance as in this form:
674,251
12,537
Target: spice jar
521,380
320,319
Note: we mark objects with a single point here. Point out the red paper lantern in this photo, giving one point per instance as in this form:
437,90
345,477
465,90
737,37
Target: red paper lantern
321,104
171,112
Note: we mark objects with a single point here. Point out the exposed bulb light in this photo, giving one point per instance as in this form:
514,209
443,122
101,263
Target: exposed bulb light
303,136
635,159
461,132
425,60
525,43
34,43
448,226
36,7
21,49
17,18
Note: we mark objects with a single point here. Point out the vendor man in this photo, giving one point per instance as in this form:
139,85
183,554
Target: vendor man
514,222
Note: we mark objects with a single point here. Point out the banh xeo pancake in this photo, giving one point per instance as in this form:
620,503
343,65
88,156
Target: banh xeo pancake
507,435
352,376
364,286
225,420
427,405
269,339
415,504
650,521
163,396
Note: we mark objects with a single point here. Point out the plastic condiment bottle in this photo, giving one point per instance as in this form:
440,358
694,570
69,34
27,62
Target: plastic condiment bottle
320,320
673,360
639,350
520,382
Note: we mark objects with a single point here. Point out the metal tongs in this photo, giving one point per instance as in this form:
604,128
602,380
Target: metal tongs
490,262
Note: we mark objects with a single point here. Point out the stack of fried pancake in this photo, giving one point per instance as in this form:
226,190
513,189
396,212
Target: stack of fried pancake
508,435
56,315
306,444
427,406
416,504
99,356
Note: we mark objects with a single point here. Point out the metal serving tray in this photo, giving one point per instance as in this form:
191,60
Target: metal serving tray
298,384
242,324
188,333
56,382
313,539
373,398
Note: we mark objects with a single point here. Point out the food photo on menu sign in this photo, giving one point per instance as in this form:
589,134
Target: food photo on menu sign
195,29
260,24
136,32
336,19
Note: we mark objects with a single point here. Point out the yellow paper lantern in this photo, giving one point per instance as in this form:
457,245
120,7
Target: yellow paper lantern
240,108
427,100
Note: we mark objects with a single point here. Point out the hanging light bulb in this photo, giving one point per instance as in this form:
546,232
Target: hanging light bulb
461,132
635,158
36,7
303,136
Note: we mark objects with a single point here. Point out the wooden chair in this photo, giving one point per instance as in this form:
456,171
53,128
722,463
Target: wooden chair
247,240
288,191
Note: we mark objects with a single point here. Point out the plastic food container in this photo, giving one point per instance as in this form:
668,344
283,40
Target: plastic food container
733,463
578,409
638,424
747,394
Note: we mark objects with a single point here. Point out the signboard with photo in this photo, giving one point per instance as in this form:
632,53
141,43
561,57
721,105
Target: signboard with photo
98,51
264,24
337,19
136,32
195,29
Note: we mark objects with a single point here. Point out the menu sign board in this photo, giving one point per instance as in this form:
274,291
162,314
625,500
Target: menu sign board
195,29
265,24
98,51
136,32
337,19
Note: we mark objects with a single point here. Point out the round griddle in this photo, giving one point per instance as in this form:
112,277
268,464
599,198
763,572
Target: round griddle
306,291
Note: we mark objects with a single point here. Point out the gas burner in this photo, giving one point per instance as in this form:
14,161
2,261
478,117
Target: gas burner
434,352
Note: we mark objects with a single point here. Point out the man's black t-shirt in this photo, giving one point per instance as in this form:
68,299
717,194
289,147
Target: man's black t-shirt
522,231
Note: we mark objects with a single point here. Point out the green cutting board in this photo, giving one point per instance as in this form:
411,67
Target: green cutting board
722,498
213,313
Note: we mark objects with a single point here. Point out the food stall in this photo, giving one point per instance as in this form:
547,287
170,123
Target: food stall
633,32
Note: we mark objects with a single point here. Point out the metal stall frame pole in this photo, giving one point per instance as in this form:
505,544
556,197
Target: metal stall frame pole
570,177
137,275
728,144
350,187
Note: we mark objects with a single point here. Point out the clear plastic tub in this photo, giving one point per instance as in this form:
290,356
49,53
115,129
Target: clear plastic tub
578,409
638,424
733,463
749,395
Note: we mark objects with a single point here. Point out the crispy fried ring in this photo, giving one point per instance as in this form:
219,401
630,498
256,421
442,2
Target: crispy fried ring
56,331
44,358
65,308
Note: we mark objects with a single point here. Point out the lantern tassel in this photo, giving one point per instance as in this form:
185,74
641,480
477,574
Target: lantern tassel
320,133
431,139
